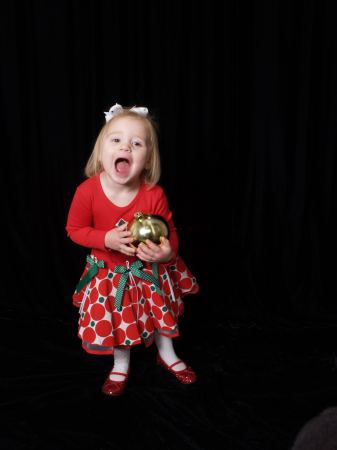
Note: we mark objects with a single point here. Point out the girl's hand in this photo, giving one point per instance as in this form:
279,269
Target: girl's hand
154,253
119,239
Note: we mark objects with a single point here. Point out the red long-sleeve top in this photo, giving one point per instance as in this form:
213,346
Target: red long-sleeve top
92,215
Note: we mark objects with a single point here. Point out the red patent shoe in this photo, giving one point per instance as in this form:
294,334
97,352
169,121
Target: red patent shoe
112,387
185,376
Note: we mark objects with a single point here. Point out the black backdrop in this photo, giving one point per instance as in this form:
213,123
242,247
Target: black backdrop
246,100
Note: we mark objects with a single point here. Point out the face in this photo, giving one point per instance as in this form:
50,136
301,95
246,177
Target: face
124,151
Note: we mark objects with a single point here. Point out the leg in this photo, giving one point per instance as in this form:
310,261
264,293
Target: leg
115,384
168,359
121,363
166,351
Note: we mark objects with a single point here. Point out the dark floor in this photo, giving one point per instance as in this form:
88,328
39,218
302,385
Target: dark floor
256,388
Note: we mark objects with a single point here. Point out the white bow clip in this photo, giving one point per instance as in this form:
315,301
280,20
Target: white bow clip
141,110
118,109
113,111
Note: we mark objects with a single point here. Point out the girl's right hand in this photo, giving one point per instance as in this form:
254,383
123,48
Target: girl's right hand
119,239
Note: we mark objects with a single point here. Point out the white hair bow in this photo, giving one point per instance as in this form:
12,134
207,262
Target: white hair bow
113,111
118,109
141,110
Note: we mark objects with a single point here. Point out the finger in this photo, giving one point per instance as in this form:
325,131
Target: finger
127,250
122,227
164,242
124,233
145,250
126,240
143,256
151,245
141,252
151,253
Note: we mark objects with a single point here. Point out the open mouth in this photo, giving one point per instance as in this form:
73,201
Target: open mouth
122,166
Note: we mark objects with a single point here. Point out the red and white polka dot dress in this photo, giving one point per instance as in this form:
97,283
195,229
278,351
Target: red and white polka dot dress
144,309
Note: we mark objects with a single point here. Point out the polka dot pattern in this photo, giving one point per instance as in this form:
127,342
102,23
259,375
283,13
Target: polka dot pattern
143,309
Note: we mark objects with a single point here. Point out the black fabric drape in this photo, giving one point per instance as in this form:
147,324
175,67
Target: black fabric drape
246,100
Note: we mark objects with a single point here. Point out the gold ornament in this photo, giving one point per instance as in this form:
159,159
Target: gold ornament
148,226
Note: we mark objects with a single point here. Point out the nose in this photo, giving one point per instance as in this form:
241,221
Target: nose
125,146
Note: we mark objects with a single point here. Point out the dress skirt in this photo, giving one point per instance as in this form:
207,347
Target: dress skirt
124,308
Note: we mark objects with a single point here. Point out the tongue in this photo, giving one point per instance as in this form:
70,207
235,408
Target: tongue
123,167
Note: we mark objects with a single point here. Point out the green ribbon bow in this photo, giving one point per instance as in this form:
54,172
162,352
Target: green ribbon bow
92,271
134,269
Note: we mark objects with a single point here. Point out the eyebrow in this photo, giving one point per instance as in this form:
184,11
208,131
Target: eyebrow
113,132
119,132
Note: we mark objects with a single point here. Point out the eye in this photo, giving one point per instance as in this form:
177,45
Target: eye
115,139
137,143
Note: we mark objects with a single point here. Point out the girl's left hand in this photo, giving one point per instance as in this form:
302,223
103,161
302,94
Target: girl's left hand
153,253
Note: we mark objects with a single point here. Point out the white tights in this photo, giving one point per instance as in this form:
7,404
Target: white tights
165,349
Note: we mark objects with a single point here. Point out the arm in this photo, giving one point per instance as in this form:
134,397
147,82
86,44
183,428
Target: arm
80,227
80,222
168,248
162,208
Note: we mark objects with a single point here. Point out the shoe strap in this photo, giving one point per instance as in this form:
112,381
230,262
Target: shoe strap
177,362
119,373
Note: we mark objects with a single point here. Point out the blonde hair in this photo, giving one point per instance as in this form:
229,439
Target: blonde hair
152,171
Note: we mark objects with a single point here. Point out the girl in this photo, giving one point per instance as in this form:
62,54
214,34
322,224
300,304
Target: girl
127,295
